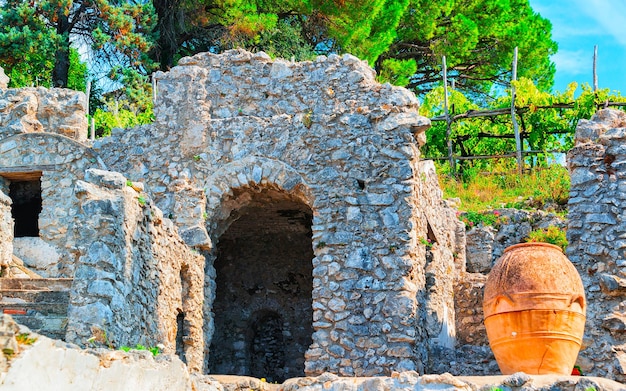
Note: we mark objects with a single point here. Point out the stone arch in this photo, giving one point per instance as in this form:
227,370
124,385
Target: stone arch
254,172
260,222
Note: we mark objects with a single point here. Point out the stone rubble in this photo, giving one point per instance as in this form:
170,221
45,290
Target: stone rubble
34,362
55,110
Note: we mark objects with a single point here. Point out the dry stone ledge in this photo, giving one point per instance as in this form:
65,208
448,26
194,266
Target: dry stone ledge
46,364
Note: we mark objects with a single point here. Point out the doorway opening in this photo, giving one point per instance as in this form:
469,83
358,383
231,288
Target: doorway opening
26,197
263,307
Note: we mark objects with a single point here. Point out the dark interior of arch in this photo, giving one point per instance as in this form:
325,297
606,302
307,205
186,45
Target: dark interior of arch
26,207
263,306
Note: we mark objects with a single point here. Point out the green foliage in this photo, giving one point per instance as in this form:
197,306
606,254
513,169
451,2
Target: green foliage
538,189
25,339
129,106
285,40
35,37
363,28
154,350
77,76
397,72
27,47
543,129
108,118
552,234
8,353
477,37
426,242
403,39
473,219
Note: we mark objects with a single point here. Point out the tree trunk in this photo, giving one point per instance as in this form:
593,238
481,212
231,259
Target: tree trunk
167,27
60,73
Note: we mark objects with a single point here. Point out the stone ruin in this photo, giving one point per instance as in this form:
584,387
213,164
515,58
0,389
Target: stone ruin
275,221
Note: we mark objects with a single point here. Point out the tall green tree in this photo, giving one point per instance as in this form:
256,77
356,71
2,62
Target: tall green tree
403,39
365,29
43,31
477,37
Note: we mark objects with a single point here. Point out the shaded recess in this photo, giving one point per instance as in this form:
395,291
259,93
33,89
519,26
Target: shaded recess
26,207
182,325
263,305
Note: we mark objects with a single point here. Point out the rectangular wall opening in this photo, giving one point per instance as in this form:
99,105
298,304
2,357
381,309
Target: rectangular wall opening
25,192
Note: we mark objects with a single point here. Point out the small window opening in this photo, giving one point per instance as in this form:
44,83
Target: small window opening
26,197
180,334
182,325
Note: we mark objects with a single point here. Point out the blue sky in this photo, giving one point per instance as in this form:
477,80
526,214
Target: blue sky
578,25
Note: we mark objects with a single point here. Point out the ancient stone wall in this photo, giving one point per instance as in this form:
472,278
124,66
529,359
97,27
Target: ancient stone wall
136,282
55,110
444,242
6,230
596,232
330,138
56,162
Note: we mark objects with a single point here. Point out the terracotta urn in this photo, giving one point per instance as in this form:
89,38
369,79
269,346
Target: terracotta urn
534,308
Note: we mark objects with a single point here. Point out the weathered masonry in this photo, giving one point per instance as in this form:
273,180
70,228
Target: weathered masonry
275,220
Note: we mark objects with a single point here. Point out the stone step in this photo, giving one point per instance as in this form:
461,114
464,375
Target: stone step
50,326
38,303
15,296
34,308
50,284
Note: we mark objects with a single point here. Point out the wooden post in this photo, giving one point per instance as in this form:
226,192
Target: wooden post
595,73
88,92
518,140
154,89
447,115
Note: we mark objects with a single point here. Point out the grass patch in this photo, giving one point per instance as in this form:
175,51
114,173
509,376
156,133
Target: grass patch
539,189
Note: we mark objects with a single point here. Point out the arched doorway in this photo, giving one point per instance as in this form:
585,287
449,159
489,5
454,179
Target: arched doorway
263,306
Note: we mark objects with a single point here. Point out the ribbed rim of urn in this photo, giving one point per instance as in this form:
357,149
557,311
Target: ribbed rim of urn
533,244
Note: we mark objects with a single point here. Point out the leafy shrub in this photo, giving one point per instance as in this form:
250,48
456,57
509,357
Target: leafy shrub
552,234
472,219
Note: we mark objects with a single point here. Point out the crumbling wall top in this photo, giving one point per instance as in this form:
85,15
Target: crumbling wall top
239,83
54,110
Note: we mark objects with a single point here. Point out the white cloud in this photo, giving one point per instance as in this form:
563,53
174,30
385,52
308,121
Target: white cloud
575,62
610,16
